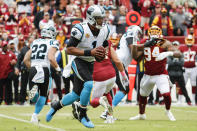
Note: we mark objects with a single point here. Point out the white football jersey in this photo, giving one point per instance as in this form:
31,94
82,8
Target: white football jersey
123,51
88,41
40,48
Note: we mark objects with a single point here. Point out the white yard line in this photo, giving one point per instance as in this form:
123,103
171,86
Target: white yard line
185,111
25,121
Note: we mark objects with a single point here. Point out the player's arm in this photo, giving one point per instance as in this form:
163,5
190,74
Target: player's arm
27,58
51,57
170,51
132,44
116,60
119,65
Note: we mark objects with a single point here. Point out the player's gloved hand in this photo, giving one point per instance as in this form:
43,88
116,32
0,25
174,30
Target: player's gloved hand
153,42
125,80
58,71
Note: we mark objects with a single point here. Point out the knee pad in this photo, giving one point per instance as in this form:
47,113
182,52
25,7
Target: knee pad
88,85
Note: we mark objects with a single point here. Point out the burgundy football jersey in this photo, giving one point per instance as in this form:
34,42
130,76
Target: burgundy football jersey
104,70
152,66
189,54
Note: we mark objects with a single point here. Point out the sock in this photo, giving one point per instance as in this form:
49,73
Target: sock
117,98
85,93
109,98
69,98
95,102
39,104
142,104
167,100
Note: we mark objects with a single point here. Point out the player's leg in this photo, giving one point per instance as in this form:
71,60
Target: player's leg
163,85
181,83
146,86
123,90
97,92
43,87
66,100
193,83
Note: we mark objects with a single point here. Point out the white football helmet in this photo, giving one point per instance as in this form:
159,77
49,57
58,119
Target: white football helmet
48,31
94,12
136,31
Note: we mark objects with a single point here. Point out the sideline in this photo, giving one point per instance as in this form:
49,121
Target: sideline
25,121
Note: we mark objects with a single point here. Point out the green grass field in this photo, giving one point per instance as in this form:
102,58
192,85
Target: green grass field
16,118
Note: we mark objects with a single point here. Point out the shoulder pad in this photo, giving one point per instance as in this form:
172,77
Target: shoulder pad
77,31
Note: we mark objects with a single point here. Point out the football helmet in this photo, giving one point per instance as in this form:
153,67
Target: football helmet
154,32
114,38
94,13
189,40
136,31
48,31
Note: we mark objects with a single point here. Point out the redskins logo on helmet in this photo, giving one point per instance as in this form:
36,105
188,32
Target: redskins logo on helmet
154,32
189,40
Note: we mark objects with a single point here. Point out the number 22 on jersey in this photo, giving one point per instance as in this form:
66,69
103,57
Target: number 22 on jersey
39,51
149,55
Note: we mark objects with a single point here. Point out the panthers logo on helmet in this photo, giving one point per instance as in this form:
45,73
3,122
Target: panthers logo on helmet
154,32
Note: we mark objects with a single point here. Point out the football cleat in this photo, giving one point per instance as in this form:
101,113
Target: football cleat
75,110
110,119
104,115
56,105
138,117
80,114
170,115
34,119
33,92
104,102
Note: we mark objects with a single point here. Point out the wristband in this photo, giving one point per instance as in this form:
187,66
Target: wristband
87,52
123,73
58,68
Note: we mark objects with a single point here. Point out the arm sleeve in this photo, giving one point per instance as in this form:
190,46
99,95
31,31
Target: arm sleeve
163,55
73,42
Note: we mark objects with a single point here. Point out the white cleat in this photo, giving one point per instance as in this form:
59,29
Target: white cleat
104,102
138,117
110,119
34,119
170,115
33,92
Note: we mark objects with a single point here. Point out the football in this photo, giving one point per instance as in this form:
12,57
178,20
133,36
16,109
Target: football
101,53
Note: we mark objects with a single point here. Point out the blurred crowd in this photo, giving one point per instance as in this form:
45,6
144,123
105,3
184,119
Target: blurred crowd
22,20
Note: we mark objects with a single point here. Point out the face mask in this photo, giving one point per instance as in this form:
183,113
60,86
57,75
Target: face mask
163,14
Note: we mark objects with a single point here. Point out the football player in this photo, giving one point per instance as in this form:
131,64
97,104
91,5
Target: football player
189,51
155,72
125,54
38,59
85,42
